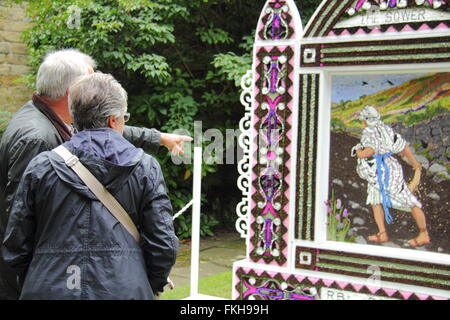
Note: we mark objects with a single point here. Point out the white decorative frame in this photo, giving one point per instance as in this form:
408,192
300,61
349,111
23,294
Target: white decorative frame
244,169
322,172
410,274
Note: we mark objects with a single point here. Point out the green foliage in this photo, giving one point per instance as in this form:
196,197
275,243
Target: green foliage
431,111
337,124
179,61
307,9
218,285
183,225
213,35
231,66
338,221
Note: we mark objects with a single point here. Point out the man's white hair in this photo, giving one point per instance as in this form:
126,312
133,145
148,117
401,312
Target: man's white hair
59,70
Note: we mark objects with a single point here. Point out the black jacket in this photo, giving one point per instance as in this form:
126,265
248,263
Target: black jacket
65,244
28,134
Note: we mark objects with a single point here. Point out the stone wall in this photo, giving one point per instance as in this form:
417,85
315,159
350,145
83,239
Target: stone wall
431,135
13,60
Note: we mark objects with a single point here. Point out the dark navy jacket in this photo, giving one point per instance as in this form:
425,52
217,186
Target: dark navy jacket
29,133
65,244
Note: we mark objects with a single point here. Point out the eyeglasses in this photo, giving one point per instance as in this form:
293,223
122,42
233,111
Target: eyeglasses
126,117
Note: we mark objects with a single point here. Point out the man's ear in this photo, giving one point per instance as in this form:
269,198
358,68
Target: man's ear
112,122
67,93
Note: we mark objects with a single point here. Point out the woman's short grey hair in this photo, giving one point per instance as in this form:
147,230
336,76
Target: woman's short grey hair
95,97
58,71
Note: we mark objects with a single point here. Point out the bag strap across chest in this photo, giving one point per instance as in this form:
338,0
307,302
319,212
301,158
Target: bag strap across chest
98,190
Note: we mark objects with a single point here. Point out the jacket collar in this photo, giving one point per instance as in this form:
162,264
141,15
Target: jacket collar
106,144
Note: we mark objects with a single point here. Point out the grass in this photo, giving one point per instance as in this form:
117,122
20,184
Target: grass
218,285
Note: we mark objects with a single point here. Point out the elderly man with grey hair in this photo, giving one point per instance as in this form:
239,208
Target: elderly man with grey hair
44,123
62,241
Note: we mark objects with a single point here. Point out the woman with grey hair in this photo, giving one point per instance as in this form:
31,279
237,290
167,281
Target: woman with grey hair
386,186
63,242
43,124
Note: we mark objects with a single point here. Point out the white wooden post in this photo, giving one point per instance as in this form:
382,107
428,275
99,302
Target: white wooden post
195,235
